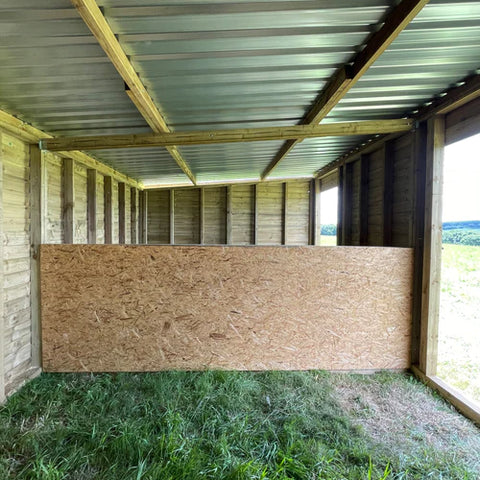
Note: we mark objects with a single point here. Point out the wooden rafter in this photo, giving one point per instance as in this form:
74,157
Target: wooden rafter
225,136
346,77
94,19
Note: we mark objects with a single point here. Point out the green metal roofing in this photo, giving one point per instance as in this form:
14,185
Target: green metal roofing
222,64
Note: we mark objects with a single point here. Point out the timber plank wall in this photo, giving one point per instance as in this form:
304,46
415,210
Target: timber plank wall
147,308
270,213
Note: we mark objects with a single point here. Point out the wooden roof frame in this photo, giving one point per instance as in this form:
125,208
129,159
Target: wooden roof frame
147,140
347,76
96,22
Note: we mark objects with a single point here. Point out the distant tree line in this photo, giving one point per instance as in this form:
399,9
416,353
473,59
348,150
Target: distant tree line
462,233
329,229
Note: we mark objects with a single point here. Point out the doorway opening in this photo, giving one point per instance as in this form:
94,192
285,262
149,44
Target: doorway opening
328,216
458,361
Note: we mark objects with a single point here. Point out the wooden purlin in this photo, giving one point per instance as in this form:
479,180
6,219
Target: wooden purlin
136,91
347,76
147,140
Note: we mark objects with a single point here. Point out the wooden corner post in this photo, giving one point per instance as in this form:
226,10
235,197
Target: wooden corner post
36,227
432,253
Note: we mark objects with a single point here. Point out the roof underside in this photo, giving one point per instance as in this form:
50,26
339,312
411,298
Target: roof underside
223,64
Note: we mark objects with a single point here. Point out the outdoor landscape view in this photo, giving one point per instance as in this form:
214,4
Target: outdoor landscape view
459,328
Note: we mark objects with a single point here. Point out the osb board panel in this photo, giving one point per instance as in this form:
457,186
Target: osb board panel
147,308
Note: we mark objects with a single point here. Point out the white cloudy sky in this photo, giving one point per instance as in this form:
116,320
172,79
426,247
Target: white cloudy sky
461,185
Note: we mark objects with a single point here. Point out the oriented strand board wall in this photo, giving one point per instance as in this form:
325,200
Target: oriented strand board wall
142,308
15,198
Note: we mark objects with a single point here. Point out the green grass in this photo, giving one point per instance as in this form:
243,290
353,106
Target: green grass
328,240
459,328
233,425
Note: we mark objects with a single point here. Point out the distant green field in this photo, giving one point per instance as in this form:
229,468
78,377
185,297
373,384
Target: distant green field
459,331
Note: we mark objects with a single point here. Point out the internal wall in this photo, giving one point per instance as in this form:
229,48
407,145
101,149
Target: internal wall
147,308
44,199
270,213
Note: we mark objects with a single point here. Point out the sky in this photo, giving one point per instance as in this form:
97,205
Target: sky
461,180
461,185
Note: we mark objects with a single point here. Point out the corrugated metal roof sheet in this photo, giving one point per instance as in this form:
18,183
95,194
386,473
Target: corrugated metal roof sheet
225,64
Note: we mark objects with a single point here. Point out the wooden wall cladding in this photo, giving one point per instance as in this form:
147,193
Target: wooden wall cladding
149,308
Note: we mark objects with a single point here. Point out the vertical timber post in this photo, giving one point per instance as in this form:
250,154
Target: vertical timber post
229,223
284,213
121,212
318,219
364,179
433,246
340,207
36,238
419,155
68,172
91,205
108,205
347,204
133,215
312,225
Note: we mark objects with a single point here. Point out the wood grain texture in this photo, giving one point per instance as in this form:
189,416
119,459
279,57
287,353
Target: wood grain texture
137,308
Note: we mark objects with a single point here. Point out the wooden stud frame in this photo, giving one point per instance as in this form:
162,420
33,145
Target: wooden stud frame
133,216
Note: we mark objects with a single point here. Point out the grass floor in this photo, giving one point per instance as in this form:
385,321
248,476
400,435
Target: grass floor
234,425
459,327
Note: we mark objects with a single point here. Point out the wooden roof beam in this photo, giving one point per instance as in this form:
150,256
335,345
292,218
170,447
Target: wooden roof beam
145,140
94,19
346,77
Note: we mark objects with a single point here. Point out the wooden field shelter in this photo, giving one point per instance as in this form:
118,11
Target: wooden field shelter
162,166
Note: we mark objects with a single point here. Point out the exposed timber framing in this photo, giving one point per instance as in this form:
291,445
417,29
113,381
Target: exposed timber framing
433,246
346,77
91,205
318,218
94,19
142,216
148,140
68,207
121,213
229,222
30,134
108,206
340,206
201,219
37,206
284,240
465,406
347,203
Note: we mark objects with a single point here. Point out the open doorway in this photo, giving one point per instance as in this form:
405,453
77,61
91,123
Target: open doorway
328,216
459,325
